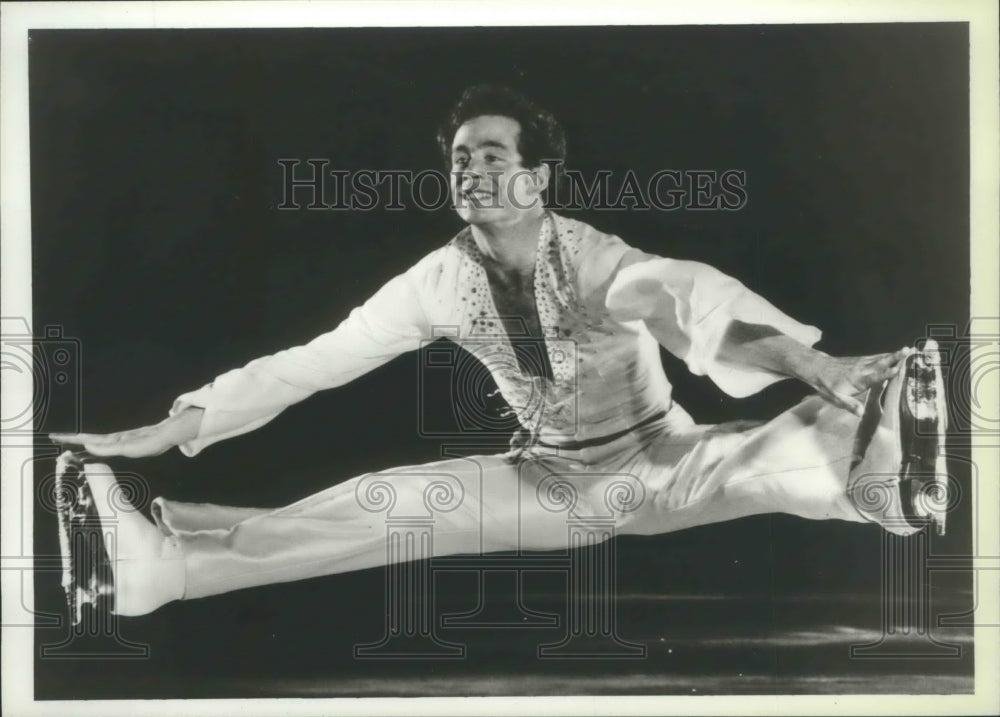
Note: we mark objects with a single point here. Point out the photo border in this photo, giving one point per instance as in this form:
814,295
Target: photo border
15,228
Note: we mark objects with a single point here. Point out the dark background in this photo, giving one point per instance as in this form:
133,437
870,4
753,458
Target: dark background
158,246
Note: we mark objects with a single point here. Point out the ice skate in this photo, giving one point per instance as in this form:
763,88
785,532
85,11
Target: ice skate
113,557
899,477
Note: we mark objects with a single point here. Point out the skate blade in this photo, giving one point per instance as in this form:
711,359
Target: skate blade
87,578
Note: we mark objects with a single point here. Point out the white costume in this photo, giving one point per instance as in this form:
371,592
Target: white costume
604,309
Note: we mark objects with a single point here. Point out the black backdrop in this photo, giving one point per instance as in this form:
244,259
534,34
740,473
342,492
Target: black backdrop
157,243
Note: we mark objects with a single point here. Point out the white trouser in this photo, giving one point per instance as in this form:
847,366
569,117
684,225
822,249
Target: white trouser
662,477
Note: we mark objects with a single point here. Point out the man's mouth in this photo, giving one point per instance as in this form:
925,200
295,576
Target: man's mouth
478,196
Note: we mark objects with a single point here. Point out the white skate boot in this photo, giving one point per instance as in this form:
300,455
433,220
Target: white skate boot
113,557
899,478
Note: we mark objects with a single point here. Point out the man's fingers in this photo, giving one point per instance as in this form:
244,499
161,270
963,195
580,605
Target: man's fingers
852,405
848,403
878,368
124,443
73,438
888,372
93,443
845,402
79,439
891,363
893,359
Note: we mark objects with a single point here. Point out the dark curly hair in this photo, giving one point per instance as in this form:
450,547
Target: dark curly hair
541,138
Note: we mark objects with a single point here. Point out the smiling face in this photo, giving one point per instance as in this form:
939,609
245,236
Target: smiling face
489,183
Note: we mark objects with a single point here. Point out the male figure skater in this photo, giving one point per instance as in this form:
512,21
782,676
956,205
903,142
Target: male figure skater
593,400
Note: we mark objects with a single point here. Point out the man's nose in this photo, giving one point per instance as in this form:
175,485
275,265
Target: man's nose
469,179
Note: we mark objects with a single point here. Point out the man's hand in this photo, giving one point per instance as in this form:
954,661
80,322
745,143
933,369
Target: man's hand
139,442
841,380
838,380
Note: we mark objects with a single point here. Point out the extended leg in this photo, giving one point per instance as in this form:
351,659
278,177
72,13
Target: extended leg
474,505
815,461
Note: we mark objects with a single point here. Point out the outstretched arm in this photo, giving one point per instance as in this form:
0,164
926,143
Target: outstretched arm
725,331
390,323
838,380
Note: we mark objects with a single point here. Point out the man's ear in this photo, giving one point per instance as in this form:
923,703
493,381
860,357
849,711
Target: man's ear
542,175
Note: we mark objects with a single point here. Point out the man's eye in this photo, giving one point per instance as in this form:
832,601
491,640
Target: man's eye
492,158
460,161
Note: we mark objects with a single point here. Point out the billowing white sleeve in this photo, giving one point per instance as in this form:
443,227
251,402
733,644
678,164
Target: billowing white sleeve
390,323
688,306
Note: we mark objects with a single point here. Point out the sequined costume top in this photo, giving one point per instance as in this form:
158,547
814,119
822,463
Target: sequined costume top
604,309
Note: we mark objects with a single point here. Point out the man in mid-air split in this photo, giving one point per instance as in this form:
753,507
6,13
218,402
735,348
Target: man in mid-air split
592,399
